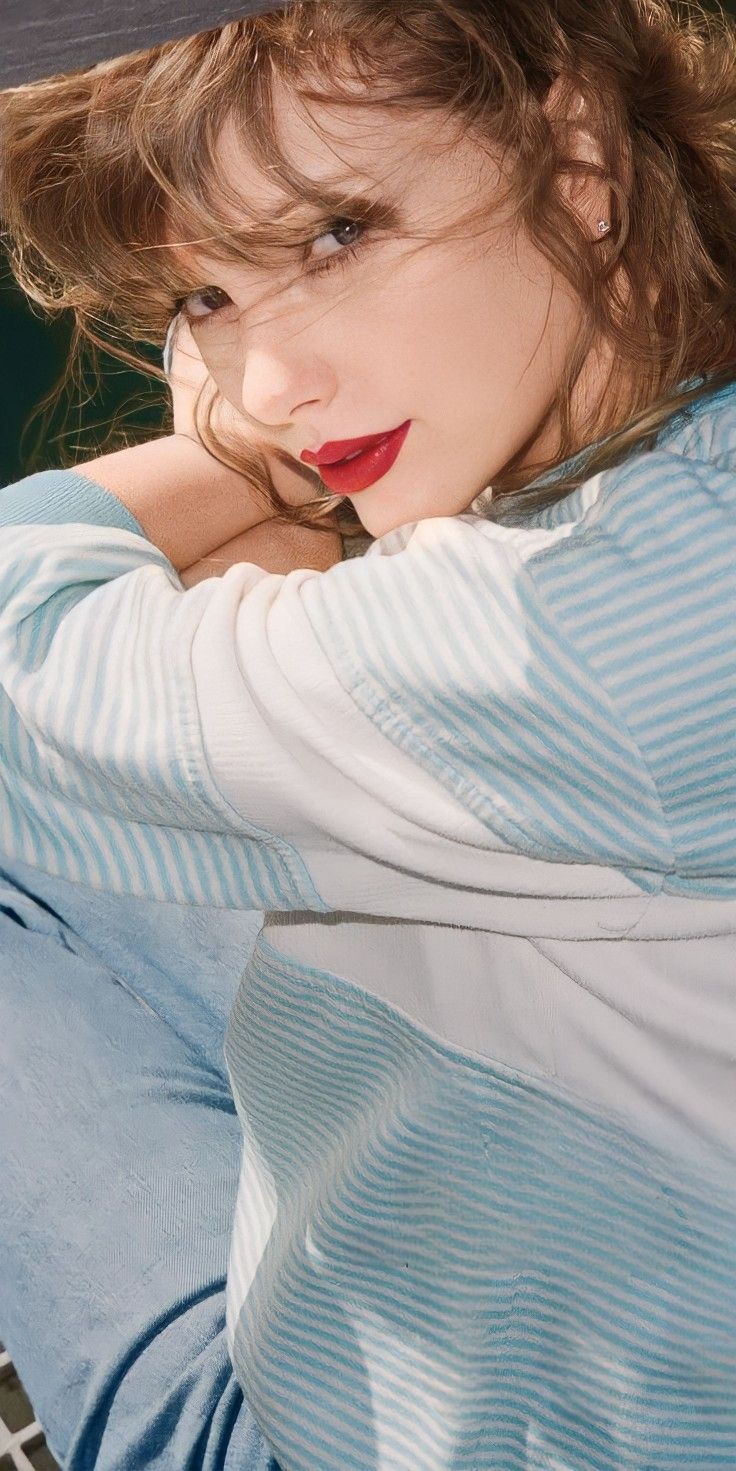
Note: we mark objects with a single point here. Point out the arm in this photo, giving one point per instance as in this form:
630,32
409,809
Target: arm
187,503
305,741
274,545
108,671
200,513
297,741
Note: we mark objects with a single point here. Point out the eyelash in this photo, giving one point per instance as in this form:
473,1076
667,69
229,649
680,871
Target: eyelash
338,258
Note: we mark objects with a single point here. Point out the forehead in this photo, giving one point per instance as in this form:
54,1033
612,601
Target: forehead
332,143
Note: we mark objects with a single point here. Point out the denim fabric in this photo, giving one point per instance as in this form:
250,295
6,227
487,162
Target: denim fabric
119,1161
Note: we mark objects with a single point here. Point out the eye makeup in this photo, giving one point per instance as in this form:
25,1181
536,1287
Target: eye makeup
269,242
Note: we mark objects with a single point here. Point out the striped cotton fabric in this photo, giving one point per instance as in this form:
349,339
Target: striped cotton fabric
447,1263
593,641
443,1259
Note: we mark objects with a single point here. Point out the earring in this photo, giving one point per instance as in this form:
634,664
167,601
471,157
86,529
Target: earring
603,227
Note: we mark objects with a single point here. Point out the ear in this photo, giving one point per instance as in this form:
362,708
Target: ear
588,195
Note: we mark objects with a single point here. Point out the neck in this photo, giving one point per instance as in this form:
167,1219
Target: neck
586,399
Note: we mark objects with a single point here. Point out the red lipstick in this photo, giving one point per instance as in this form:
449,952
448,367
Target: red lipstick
370,457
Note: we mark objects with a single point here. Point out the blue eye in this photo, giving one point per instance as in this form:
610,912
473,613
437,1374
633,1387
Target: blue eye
350,246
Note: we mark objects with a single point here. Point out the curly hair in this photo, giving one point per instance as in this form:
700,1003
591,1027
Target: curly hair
100,167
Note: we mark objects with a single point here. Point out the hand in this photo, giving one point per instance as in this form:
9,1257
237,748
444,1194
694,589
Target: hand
190,382
272,544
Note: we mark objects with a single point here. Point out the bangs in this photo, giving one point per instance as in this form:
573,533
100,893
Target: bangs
225,78
131,185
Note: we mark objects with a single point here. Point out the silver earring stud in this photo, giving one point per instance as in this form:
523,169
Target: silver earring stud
603,227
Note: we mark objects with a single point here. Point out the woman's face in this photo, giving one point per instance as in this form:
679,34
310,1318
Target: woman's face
463,340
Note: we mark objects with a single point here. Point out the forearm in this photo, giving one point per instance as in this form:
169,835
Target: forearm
188,504
274,545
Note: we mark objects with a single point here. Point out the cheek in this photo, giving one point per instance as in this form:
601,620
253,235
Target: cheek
509,327
439,320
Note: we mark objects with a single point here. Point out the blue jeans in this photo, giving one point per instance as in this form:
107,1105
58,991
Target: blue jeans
119,1159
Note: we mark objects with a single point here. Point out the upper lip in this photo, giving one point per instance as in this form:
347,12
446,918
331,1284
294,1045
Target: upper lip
336,449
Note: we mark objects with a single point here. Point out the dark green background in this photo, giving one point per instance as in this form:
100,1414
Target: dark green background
33,354
115,406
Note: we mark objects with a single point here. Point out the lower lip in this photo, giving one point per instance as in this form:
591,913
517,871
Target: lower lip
367,467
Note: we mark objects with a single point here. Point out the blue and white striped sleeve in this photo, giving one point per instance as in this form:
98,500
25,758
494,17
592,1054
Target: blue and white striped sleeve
295,742
192,746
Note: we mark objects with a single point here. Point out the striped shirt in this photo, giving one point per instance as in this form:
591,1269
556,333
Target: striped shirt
482,782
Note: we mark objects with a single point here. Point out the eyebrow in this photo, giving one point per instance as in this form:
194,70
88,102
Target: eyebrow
329,198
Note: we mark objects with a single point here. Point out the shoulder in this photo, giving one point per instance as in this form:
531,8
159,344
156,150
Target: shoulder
658,514
686,481
706,430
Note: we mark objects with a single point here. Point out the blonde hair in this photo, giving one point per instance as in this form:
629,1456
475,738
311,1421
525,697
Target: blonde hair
101,166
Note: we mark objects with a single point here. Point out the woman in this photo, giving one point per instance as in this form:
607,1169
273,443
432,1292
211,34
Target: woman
480,780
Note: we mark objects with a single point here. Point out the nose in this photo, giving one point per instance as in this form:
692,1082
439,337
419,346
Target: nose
283,383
